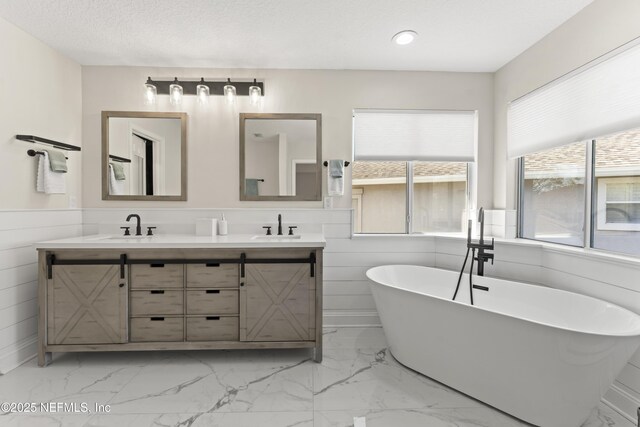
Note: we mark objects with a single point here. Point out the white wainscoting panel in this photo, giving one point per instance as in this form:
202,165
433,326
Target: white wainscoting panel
19,230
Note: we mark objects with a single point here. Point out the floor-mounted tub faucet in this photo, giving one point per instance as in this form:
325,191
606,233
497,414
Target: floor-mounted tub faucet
482,256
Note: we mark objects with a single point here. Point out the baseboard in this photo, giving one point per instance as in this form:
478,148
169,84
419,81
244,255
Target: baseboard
342,318
622,402
18,354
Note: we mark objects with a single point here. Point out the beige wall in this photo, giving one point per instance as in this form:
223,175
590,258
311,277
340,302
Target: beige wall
41,95
597,29
213,133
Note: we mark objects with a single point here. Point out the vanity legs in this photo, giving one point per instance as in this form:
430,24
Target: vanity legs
44,357
317,354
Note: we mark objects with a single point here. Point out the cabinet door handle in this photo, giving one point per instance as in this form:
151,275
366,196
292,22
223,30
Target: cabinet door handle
213,317
156,292
213,291
212,264
241,283
121,285
157,265
157,319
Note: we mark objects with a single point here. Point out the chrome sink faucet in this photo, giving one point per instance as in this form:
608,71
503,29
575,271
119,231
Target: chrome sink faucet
138,226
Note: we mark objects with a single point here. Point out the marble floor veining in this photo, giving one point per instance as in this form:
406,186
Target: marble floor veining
278,388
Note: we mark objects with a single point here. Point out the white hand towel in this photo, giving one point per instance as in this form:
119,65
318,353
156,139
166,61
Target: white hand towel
335,185
116,188
48,181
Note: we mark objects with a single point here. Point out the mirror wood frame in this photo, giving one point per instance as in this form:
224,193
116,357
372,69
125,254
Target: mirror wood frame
281,116
106,115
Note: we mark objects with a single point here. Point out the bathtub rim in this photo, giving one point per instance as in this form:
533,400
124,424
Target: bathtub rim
631,334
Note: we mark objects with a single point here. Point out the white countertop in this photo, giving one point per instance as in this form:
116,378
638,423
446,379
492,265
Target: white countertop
178,241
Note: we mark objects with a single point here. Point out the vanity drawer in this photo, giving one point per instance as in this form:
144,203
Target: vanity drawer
213,328
157,276
212,275
212,301
147,329
156,301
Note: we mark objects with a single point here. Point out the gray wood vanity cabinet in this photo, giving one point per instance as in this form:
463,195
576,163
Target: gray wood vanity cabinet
179,299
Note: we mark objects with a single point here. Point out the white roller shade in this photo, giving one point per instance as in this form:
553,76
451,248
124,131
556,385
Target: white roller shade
595,100
403,135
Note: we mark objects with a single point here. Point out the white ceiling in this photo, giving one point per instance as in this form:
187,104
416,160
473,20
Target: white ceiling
454,35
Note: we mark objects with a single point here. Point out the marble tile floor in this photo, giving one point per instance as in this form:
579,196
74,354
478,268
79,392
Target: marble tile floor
358,378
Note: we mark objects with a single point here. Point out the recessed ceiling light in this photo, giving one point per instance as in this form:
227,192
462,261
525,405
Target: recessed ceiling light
404,37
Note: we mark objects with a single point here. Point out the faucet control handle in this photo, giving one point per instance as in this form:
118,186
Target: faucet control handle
291,227
126,231
268,227
150,230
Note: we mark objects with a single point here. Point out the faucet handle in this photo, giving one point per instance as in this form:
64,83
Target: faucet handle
268,227
126,231
150,230
291,227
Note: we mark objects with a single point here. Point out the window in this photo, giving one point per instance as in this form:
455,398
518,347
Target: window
557,185
616,188
410,172
381,188
585,194
437,194
553,195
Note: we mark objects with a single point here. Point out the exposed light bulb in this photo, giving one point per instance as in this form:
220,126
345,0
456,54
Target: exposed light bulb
202,93
150,92
229,92
175,93
255,93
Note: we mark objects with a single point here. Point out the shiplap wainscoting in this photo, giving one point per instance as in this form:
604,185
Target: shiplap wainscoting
19,230
347,298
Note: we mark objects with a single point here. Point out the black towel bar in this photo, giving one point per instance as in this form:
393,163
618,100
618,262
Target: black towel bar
55,144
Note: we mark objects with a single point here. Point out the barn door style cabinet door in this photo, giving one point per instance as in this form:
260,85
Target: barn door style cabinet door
87,305
277,303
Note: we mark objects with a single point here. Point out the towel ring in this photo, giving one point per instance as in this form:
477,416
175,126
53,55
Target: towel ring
326,163
33,153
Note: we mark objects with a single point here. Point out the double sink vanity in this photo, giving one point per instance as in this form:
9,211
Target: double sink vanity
180,292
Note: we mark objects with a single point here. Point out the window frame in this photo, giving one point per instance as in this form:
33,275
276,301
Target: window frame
409,199
593,195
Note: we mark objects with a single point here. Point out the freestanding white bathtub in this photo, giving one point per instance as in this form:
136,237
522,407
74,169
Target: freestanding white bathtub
542,355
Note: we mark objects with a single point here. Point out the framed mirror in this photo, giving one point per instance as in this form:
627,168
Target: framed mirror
144,156
280,156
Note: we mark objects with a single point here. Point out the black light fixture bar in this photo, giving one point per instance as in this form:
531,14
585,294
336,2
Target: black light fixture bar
119,159
215,87
55,144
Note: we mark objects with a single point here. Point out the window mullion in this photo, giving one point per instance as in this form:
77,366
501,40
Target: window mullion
588,199
409,204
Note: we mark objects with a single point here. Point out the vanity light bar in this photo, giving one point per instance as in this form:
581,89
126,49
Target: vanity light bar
189,87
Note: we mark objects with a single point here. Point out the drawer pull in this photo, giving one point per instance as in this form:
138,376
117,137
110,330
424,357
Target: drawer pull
213,264
213,317
157,319
156,292
156,265
213,291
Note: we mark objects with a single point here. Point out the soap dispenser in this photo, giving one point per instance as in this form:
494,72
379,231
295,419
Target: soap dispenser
222,226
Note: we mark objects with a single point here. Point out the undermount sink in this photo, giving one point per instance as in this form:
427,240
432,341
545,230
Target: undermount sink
276,237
